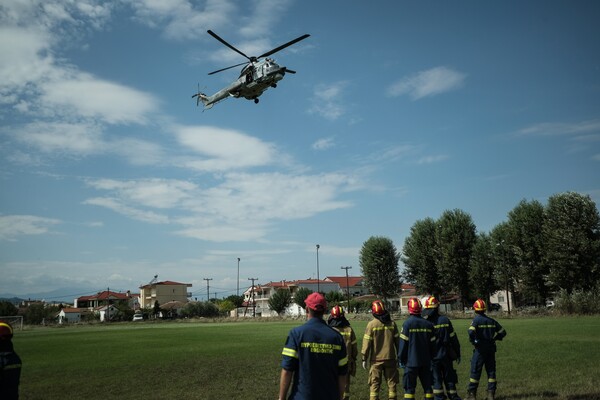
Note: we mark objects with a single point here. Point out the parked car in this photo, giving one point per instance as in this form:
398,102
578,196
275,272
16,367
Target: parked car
138,317
549,303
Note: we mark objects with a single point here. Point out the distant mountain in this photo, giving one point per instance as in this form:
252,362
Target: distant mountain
62,295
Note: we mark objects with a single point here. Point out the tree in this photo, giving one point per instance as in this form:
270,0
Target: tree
8,309
280,300
525,223
506,264
156,309
419,257
334,298
482,271
301,295
455,236
237,301
379,266
571,234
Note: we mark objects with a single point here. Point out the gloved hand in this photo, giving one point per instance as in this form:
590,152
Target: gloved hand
475,341
402,366
364,365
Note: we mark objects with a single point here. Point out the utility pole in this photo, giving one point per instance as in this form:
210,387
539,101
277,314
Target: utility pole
318,279
238,288
252,293
207,288
347,286
107,304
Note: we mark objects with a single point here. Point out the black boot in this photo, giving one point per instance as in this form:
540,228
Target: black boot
471,395
491,395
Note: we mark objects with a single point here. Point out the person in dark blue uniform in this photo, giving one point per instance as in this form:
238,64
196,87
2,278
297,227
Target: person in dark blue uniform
483,334
10,365
314,358
447,349
415,354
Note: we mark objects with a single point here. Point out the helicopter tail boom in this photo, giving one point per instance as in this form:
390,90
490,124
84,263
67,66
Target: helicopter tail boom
201,97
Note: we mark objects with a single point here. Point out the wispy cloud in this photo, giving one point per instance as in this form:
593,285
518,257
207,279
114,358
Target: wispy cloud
218,149
13,226
323,144
328,100
240,206
432,159
427,83
561,128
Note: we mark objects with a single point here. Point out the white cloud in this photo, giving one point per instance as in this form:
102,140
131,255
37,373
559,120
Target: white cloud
13,226
89,97
182,19
596,157
327,100
323,144
427,83
79,139
432,159
223,149
241,207
560,128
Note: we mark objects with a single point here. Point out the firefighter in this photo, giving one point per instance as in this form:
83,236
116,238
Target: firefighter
314,361
483,334
10,364
380,349
417,345
447,349
337,320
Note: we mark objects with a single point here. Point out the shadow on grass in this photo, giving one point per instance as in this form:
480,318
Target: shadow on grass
587,396
543,395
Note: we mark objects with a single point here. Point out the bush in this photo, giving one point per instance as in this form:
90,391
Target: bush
579,301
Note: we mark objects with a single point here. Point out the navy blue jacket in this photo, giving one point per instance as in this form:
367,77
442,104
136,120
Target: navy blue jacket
446,343
484,331
417,342
317,355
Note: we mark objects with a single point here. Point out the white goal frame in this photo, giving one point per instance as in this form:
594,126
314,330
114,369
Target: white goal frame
16,321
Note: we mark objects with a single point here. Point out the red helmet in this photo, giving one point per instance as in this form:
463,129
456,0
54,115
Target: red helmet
414,306
377,307
432,302
337,312
479,305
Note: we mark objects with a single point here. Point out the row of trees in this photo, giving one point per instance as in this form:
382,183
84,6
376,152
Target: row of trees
538,251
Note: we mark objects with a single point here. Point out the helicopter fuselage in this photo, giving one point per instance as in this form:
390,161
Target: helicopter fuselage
254,79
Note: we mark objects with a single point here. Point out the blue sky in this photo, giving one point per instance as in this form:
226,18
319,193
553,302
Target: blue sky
400,110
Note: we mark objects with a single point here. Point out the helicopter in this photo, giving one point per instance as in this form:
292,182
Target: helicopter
257,75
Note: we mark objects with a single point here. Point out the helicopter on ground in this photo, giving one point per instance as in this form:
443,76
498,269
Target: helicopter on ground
256,76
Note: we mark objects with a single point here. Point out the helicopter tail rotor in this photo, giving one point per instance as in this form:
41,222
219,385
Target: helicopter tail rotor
201,97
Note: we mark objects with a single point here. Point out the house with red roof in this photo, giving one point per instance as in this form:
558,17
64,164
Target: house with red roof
353,285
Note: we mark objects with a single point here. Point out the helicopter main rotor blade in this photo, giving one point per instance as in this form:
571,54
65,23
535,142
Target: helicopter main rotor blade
211,33
283,46
224,69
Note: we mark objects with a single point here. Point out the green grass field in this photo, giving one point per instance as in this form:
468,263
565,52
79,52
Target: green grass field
541,358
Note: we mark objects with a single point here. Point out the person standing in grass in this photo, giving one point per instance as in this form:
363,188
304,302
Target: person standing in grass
417,345
10,364
447,349
337,320
380,349
314,358
483,334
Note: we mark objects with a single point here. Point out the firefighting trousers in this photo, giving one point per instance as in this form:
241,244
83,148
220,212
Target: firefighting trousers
444,375
383,369
10,375
479,360
409,381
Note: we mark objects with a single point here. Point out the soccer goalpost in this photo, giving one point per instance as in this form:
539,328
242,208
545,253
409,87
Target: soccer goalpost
16,321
